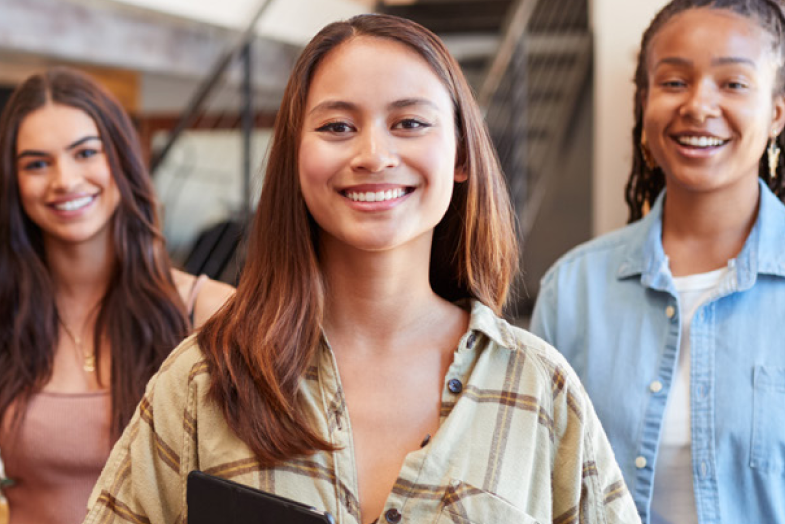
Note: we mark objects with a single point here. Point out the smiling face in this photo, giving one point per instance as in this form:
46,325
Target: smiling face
65,183
378,147
710,106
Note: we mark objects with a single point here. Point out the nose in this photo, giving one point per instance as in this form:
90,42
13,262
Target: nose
701,103
65,175
375,150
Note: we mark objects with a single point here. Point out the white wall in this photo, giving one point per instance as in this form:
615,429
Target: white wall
618,26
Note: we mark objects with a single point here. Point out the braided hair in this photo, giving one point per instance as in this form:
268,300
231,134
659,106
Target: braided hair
646,182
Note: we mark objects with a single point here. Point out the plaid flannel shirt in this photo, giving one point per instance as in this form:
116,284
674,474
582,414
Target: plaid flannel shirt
519,442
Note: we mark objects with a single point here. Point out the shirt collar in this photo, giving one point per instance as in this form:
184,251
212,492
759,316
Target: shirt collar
485,321
763,252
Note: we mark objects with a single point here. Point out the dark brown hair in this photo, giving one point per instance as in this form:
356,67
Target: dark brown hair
260,345
142,315
645,183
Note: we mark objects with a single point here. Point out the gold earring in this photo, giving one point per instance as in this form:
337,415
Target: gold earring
647,158
773,152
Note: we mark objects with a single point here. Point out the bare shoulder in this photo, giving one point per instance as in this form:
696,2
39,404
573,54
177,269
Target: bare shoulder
207,299
211,297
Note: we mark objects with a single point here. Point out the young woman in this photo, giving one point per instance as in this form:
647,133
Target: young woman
674,322
89,304
362,367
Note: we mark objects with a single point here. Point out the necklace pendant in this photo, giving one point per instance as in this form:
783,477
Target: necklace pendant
89,363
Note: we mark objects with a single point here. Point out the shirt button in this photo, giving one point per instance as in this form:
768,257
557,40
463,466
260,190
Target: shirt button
392,515
670,311
655,387
640,462
704,469
471,340
455,386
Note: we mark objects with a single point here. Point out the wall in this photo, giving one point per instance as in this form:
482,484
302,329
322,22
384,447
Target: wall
618,26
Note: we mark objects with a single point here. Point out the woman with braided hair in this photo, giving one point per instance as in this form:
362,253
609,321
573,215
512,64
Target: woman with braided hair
673,322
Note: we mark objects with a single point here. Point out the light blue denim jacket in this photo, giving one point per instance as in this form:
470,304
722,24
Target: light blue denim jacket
611,308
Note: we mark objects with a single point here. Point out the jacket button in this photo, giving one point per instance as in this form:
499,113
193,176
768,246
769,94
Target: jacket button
640,462
392,515
670,311
455,386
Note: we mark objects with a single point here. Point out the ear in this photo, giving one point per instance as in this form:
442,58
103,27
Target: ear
461,175
778,114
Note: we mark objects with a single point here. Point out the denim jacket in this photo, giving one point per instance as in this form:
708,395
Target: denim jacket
610,306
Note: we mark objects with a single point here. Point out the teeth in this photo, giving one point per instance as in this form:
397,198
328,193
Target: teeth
377,196
700,141
73,205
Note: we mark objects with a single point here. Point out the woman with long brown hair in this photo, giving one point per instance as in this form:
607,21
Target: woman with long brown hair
89,303
362,367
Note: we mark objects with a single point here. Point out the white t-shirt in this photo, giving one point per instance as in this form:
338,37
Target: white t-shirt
673,498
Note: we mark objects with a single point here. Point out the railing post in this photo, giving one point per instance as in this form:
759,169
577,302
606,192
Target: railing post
248,122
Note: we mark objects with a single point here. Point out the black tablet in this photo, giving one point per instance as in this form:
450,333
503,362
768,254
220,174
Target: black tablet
213,500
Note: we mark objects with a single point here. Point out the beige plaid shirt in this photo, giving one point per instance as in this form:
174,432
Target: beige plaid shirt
519,442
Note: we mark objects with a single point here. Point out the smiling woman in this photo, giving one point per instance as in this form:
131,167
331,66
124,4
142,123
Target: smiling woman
674,322
89,304
363,367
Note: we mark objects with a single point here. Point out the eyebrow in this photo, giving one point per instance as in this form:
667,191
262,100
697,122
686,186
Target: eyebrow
74,145
331,105
723,60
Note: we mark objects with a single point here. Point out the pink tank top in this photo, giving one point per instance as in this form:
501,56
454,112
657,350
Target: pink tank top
56,456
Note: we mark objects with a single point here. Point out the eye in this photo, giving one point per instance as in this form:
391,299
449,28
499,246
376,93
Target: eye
736,85
411,123
673,84
87,152
338,128
34,165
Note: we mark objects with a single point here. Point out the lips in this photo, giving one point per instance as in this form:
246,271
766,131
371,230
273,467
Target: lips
73,204
700,141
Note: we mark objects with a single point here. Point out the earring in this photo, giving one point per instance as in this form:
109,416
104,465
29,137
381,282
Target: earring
647,158
773,152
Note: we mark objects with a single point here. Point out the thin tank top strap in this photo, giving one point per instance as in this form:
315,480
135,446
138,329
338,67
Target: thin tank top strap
195,288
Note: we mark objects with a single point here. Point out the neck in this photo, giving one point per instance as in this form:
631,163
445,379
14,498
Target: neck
80,274
702,231
378,296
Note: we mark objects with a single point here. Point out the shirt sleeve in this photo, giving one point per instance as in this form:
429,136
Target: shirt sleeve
143,480
587,480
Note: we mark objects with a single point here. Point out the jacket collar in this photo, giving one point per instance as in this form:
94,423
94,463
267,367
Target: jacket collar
763,252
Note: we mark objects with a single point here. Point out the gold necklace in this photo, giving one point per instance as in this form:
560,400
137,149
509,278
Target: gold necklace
89,359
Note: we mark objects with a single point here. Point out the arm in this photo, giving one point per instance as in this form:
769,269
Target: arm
587,479
144,478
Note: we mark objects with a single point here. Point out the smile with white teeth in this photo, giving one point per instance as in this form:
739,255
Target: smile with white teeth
73,205
700,141
375,196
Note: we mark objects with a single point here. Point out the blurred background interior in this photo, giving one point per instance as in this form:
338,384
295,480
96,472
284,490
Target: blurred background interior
202,80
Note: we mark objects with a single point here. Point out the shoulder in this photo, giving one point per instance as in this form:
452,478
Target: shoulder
605,251
184,366
545,370
201,295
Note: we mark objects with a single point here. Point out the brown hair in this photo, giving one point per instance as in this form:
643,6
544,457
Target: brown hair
142,315
260,345
645,183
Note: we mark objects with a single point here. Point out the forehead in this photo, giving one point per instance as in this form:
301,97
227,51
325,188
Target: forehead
370,70
709,33
54,125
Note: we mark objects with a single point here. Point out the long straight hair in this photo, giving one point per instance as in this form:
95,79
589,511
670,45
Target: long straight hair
260,345
141,315
646,182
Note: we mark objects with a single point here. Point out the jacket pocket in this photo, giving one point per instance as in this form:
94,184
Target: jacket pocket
768,414
465,504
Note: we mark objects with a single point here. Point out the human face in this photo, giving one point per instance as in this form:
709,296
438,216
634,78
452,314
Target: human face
65,183
378,148
710,106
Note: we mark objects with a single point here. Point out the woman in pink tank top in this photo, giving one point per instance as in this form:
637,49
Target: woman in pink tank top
89,303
